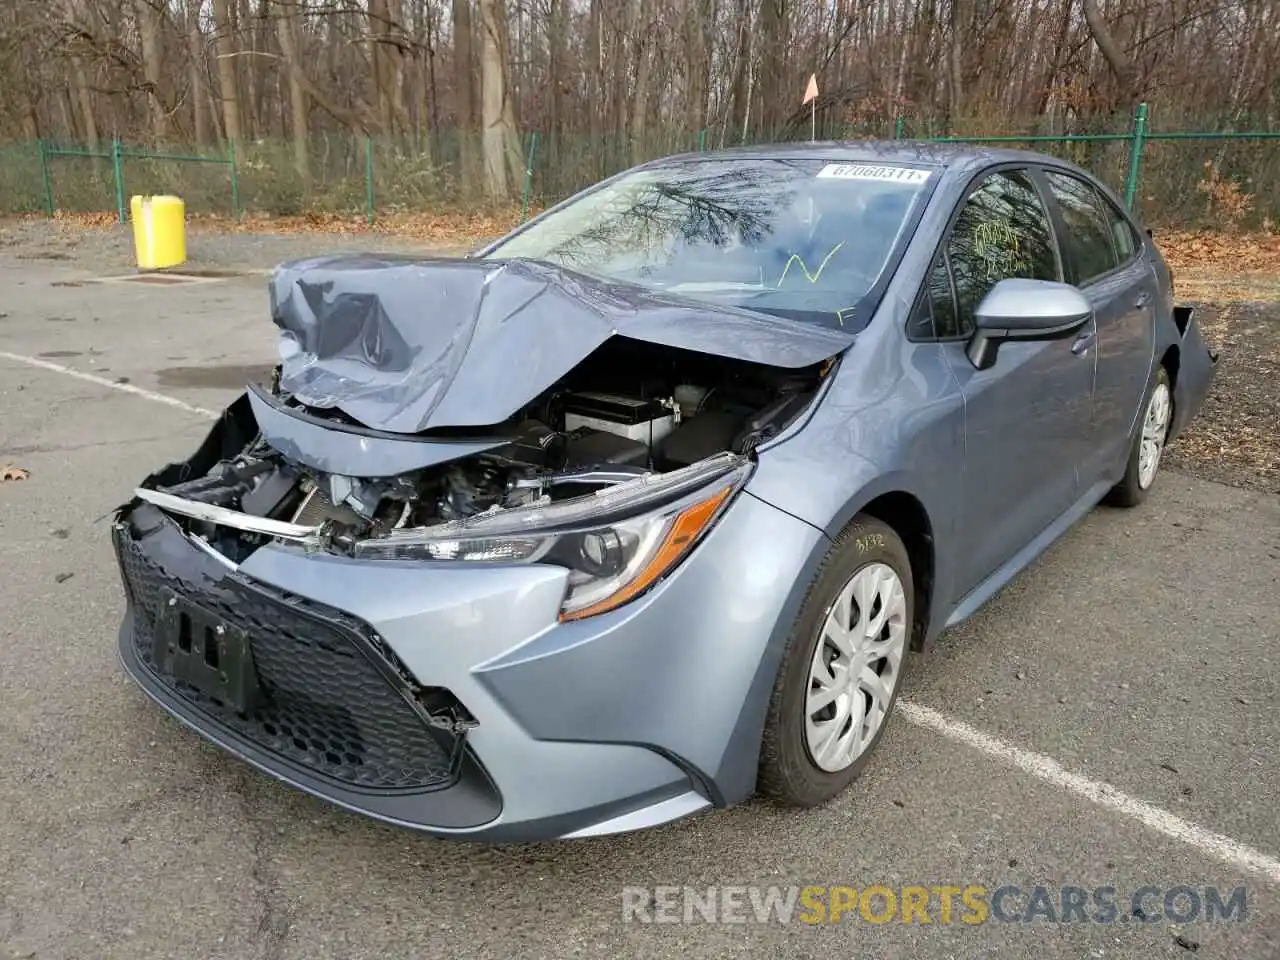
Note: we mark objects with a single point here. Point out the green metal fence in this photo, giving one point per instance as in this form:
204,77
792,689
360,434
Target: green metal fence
119,154
1160,172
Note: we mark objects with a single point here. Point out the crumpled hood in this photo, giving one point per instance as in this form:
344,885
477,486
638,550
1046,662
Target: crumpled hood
405,345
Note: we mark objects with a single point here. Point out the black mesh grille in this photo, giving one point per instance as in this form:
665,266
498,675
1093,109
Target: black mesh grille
326,706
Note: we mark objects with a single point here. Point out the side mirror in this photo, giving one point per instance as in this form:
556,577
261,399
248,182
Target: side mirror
1017,309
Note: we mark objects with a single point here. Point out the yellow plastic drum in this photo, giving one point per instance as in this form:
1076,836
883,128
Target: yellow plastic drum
159,231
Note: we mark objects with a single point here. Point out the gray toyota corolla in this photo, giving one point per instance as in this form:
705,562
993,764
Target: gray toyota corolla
645,507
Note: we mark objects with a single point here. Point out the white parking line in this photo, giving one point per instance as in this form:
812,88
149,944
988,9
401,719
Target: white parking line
1232,852
1229,851
109,384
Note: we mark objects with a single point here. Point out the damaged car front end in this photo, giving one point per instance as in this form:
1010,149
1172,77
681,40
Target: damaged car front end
366,556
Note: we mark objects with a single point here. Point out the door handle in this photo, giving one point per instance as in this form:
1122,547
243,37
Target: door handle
1085,340
1141,300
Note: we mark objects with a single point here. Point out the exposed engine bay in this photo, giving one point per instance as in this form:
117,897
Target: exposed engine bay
630,410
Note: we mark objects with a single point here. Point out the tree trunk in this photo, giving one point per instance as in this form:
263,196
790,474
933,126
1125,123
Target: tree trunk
493,94
225,44
774,92
557,31
67,113
148,30
195,50
955,91
386,35
30,119
640,96
84,100
740,96
253,84
510,124
396,39
285,27
595,76
698,18
464,94
1120,64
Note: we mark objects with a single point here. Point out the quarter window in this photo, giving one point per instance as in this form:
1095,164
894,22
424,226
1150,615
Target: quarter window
1122,232
1002,231
1089,242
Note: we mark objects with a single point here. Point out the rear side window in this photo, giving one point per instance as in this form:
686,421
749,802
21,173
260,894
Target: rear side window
1089,242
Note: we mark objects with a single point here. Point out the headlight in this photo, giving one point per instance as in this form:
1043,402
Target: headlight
616,543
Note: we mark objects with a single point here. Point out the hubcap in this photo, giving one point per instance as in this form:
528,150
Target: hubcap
855,667
1154,429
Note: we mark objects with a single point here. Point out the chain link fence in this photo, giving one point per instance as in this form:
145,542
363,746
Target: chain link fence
1179,172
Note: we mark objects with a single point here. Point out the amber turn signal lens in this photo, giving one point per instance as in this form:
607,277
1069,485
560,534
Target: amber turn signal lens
684,531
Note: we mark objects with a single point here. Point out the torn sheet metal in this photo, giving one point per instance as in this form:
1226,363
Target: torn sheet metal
405,345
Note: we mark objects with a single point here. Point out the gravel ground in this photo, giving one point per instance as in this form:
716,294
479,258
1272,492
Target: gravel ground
1235,438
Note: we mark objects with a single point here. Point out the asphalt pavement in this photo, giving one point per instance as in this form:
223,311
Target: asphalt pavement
1109,721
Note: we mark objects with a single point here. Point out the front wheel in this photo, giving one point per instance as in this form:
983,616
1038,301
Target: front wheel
841,669
1148,445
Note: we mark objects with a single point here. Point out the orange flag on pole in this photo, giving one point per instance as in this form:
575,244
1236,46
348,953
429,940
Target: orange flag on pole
811,98
811,91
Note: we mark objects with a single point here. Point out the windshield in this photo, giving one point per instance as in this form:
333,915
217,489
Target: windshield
805,239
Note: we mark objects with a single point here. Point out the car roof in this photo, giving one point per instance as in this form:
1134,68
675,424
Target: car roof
948,155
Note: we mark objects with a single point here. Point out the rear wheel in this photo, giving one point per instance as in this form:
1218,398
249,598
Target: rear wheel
842,668
1148,445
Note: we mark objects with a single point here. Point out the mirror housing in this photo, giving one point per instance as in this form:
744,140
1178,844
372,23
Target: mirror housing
1017,309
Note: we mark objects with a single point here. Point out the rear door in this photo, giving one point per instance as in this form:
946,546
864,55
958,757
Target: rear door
1102,257
1027,417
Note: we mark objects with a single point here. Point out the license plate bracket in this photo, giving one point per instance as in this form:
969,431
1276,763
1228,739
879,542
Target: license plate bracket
199,648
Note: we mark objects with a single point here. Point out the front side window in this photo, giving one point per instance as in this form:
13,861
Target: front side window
1088,239
806,239
1001,232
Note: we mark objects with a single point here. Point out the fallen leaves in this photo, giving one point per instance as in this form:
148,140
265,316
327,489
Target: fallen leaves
99,219
455,229
1239,251
10,472
1222,267
443,229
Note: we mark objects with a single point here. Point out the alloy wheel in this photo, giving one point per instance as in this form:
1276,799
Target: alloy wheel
1155,427
856,667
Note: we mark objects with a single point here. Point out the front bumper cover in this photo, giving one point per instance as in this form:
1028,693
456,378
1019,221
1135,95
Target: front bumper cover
344,720
338,717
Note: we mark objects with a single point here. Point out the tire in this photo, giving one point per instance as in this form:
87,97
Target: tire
790,770
1132,490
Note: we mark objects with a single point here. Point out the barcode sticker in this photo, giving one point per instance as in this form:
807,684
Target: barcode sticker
866,171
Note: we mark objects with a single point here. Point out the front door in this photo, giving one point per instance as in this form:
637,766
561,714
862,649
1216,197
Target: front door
1027,417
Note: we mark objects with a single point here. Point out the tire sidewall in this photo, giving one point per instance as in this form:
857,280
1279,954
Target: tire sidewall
866,541
1132,490
1161,378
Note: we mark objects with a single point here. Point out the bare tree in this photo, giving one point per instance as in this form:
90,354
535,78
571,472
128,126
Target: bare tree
608,82
228,91
148,18
1116,59
463,89
286,33
497,112
196,68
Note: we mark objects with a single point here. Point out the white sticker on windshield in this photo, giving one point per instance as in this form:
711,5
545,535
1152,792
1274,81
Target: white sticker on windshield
867,171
